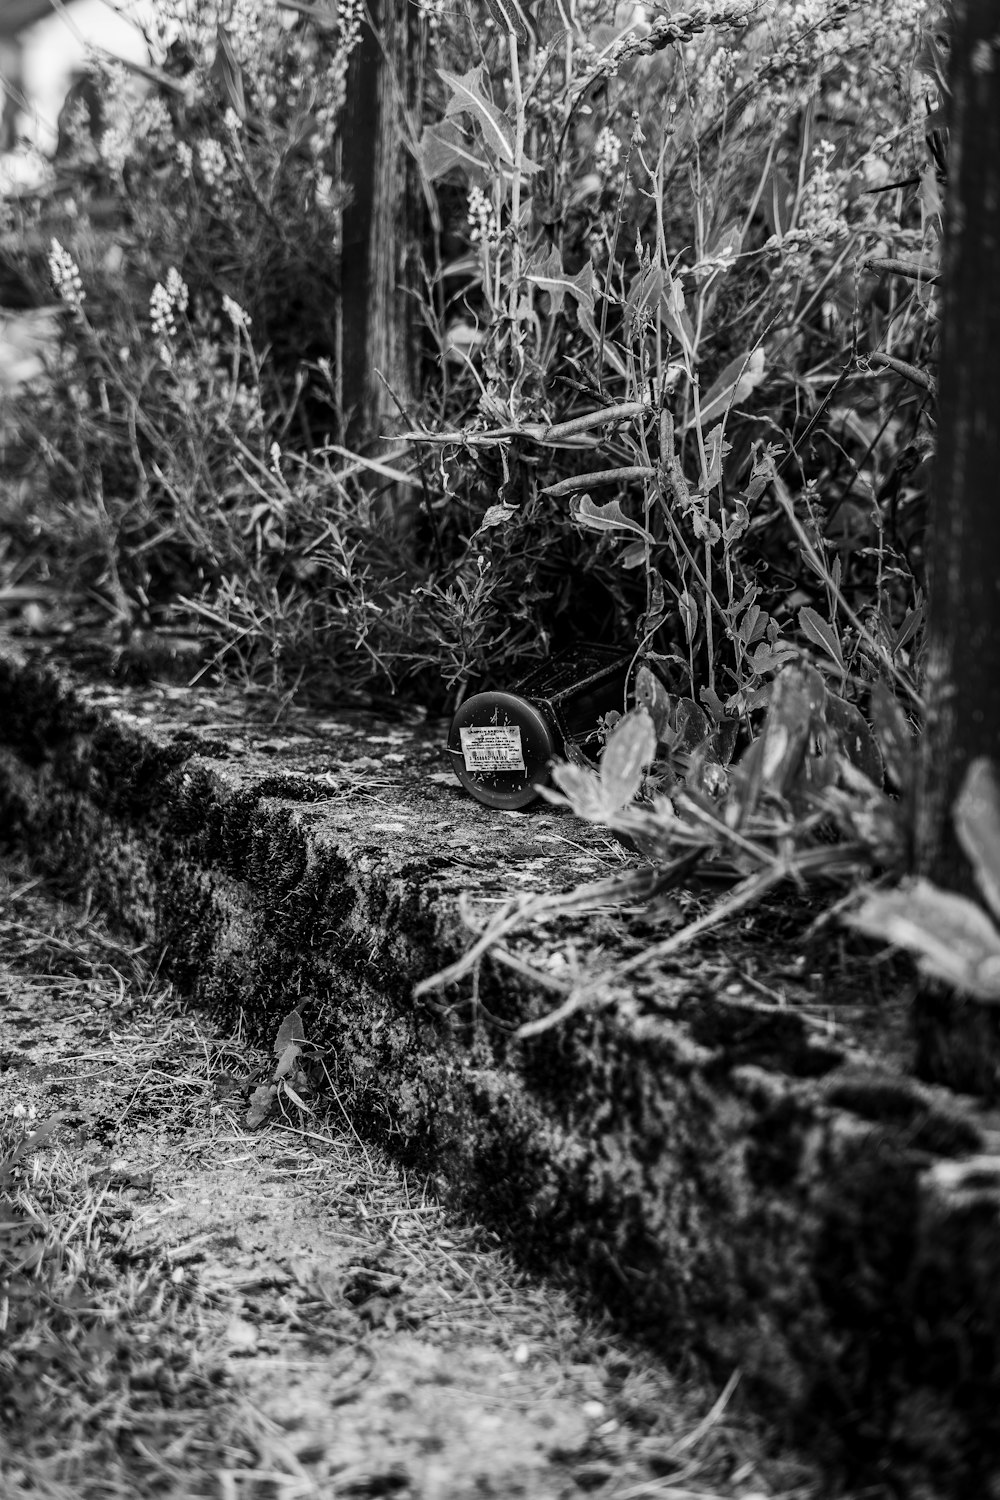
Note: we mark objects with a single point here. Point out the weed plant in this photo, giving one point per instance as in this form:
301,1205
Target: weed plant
676,393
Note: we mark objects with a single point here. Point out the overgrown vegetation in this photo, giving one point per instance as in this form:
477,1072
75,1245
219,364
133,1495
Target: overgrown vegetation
680,313
675,392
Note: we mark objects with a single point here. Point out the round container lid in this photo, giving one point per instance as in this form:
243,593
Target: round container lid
501,747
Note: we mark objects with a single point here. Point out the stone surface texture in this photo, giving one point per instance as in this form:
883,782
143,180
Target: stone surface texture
734,1185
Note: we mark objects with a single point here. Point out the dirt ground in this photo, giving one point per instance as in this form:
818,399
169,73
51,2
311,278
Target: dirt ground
196,1308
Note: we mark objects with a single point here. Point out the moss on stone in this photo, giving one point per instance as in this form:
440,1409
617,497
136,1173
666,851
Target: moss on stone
735,1190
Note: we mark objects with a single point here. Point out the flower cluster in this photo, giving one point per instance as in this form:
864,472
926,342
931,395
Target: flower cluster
482,219
822,208
212,162
607,154
168,300
66,277
237,315
432,12
135,126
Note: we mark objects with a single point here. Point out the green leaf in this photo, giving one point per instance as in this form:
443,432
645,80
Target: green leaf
816,629
770,657
651,695
495,515
290,1030
895,738
951,936
738,380
288,1060
297,1099
774,762
854,738
632,556
581,788
688,606
977,824
546,272
444,147
716,449
693,725
629,750
261,1101
227,72
468,97
608,517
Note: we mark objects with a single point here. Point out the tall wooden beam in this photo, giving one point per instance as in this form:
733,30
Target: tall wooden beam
380,225
959,1043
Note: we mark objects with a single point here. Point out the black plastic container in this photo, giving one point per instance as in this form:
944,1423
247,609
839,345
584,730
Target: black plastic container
502,744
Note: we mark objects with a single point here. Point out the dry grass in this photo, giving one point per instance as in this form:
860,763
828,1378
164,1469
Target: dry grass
194,1309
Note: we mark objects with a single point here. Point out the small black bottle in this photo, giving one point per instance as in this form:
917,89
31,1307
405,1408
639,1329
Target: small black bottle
502,744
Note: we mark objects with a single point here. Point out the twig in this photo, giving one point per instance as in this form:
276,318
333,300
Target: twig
909,372
903,268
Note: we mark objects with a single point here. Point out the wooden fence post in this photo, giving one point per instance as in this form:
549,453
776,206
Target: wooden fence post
958,1042
381,225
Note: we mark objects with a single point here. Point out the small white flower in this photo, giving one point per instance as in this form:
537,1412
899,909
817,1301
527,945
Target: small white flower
212,162
177,289
276,458
167,300
237,315
482,218
607,153
66,277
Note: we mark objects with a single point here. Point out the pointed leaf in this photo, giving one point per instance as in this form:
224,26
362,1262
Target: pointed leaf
775,760
688,606
546,272
854,738
952,937
737,381
631,747
694,726
895,737
651,695
227,72
632,556
260,1103
777,201
608,517
297,1099
288,1060
716,449
977,823
495,515
468,97
816,629
581,787
444,147
290,1030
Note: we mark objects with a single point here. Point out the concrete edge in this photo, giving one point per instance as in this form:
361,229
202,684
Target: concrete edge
730,1189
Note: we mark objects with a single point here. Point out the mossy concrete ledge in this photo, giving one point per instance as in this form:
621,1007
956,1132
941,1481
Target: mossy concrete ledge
733,1185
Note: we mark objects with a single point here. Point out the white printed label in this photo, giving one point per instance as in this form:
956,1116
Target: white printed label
492,747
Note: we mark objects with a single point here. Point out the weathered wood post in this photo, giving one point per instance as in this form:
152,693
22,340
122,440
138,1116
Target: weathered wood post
381,223
960,1041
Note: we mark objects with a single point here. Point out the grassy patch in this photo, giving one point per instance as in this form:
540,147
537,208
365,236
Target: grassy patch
112,1378
197,1310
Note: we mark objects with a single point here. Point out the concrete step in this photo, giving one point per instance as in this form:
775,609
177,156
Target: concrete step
736,1184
